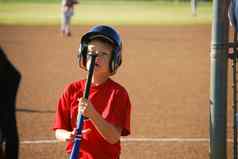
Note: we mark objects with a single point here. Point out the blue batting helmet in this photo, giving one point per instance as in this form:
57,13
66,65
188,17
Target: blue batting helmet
107,33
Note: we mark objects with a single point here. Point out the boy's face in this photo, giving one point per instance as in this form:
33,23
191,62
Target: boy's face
104,51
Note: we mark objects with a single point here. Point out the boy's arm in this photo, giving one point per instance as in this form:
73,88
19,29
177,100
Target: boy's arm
110,132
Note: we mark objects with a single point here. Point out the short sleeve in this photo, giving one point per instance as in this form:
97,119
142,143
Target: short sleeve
118,111
62,117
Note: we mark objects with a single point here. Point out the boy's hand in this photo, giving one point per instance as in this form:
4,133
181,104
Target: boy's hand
70,135
85,107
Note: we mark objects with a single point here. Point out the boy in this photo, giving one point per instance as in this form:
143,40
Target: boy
108,107
68,12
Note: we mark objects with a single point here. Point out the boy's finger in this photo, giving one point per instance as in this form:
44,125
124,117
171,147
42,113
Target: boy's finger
82,109
86,131
82,101
91,48
74,131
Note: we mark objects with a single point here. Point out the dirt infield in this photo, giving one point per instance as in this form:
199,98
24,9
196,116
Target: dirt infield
165,70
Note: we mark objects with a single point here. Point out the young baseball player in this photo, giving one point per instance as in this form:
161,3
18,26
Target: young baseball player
68,12
108,106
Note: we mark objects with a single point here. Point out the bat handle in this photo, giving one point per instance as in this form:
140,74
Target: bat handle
90,74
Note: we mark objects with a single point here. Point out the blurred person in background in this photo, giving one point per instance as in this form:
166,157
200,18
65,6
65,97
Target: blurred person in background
194,7
67,13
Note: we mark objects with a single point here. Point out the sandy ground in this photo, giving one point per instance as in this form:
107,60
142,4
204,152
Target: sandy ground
165,70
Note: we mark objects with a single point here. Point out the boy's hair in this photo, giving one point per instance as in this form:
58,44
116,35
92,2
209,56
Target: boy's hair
70,3
109,35
103,40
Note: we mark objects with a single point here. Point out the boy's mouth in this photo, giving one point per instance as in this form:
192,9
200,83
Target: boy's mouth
97,65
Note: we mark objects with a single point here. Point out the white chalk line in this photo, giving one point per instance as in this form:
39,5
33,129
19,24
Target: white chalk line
125,140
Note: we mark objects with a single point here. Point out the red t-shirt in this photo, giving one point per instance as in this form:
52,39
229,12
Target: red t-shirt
111,100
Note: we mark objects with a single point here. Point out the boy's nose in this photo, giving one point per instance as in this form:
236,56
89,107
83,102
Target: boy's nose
98,58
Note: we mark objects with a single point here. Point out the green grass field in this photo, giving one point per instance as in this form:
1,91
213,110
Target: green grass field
30,12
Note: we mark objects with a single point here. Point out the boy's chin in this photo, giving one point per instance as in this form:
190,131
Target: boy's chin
101,72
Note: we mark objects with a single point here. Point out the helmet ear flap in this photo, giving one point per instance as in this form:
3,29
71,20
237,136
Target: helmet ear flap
112,62
116,60
82,55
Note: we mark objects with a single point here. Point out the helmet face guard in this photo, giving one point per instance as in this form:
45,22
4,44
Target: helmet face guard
107,33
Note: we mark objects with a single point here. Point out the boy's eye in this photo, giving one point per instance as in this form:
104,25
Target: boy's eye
103,54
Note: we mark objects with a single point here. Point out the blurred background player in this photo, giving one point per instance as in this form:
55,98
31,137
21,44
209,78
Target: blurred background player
194,7
67,13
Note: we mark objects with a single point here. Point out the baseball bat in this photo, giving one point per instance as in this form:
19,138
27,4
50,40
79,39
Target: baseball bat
80,118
